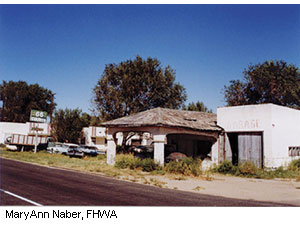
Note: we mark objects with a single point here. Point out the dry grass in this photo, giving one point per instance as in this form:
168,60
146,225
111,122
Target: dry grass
87,164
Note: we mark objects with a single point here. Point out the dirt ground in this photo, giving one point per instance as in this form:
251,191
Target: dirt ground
276,190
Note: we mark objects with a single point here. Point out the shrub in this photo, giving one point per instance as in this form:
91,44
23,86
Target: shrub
124,161
226,167
247,169
129,161
294,165
187,166
149,165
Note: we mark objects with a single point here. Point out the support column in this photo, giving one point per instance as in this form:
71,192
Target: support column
111,150
215,152
159,146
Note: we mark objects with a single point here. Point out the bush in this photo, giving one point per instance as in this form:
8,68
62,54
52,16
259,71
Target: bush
187,167
247,169
294,165
149,165
124,161
226,167
129,161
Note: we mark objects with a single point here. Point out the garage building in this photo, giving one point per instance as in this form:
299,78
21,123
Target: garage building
266,134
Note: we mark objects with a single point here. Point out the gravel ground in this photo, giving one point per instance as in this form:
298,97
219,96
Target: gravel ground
276,190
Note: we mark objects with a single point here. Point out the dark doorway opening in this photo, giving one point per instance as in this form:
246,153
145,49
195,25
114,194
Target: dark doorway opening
233,140
191,145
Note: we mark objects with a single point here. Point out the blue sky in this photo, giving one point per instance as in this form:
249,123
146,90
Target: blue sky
65,47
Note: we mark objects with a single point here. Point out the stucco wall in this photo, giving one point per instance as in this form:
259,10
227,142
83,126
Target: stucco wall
278,124
99,134
285,128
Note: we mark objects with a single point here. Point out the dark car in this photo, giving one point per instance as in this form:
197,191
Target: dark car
175,156
75,152
88,150
147,151
143,151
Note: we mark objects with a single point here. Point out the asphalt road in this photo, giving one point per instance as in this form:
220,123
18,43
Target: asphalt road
28,184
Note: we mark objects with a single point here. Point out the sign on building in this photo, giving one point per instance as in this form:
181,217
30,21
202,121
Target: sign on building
38,116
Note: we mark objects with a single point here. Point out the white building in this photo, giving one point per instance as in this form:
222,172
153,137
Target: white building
94,136
97,137
266,134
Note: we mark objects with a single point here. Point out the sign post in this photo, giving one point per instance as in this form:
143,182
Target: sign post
37,129
37,116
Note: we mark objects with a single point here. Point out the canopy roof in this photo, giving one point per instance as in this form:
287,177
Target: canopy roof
168,118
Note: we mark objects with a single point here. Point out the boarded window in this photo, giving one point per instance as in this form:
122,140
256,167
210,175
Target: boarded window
294,151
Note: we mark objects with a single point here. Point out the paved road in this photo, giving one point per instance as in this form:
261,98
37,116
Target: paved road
51,186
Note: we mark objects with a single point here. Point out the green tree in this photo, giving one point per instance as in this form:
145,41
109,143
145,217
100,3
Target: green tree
19,98
271,82
136,85
198,106
67,124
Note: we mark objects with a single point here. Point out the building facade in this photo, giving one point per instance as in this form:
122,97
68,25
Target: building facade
266,134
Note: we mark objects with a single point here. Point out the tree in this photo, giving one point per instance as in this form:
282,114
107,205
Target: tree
19,98
67,124
270,82
198,106
134,86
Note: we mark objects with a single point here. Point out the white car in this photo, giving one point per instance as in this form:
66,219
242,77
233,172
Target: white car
11,147
62,148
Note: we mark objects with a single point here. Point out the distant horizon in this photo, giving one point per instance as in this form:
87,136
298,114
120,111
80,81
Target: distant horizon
65,48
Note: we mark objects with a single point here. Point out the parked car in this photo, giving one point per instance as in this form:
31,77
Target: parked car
56,147
75,151
147,151
59,148
143,151
11,147
175,156
88,150
101,152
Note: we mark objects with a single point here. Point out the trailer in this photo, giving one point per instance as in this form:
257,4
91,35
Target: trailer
26,142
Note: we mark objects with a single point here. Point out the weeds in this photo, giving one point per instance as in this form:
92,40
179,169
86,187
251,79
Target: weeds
129,161
294,165
225,167
248,169
89,164
187,167
157,183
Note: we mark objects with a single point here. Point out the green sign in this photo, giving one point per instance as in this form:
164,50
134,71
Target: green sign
38,116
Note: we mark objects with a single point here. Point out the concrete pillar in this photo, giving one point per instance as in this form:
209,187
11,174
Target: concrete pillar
111,150
215,152
159,148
